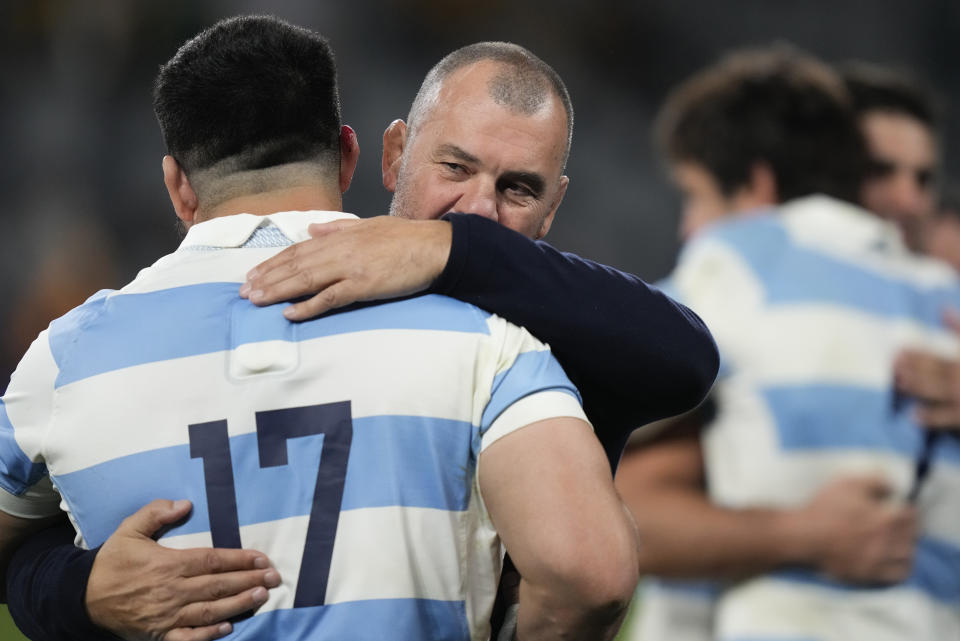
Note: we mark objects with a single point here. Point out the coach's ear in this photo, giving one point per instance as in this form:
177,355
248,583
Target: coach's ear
349,153
548,219
394,141
181,193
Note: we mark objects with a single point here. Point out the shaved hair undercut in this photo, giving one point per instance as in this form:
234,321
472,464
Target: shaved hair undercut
524,84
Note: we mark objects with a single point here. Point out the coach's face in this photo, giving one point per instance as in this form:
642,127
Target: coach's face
470,154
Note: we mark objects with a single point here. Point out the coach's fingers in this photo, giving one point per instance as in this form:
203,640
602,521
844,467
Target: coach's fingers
318,230
206,633
212,587
207,613
293,253
290,280
308,273
332,297
202,561
153,516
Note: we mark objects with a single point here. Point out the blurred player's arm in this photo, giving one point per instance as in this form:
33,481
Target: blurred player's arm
548,490
934,381
849,529
658,357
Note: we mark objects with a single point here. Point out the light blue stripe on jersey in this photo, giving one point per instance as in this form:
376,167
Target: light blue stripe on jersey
124,330
936,572
17,471
776,260
860,418
513,384
393,619
394,460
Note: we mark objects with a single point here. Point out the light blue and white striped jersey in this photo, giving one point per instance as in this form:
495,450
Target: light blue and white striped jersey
809,306
345,447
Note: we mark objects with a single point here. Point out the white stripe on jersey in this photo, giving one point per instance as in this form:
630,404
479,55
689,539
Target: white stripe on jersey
778,610
391,570
359,357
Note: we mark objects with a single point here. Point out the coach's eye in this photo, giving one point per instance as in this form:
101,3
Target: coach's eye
454,168
520,191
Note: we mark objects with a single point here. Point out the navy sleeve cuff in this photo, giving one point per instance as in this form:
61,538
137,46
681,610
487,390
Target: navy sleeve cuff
459,253
47,588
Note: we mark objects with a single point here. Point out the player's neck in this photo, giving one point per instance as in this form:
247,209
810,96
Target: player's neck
294,198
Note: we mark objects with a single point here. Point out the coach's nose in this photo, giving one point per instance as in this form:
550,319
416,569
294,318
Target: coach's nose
479,197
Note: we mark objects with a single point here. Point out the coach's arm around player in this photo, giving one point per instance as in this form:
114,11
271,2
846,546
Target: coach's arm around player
14,530
137,588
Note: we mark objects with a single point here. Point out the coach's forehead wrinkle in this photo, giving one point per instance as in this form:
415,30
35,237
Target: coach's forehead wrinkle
449,149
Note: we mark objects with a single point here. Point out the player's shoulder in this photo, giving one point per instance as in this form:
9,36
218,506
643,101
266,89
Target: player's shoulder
421,312
76,318
442,313
758,238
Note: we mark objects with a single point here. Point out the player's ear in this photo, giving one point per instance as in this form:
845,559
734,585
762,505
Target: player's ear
349,154
394,142
548,220
181,192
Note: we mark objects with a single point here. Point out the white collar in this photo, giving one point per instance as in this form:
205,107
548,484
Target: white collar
235,230
827,222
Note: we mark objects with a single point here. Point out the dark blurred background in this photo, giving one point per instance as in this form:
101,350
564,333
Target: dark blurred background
83,202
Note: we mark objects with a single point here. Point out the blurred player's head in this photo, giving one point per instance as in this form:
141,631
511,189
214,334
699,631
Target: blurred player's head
488,133
250,106
899,122
758,128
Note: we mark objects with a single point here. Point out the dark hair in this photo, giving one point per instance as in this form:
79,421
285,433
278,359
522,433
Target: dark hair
877,88
774,105
254,89
523,86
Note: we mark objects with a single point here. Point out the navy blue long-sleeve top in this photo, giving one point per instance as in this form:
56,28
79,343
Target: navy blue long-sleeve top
635,354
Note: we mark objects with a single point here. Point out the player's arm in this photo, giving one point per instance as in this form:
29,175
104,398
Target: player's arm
548,490
848,529
934,381
658,359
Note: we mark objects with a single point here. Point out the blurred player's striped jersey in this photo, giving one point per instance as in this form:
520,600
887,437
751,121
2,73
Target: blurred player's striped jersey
345,447
810,307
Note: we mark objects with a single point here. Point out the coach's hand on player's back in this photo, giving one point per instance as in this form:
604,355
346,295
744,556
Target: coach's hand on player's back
856,533
352,260
934,381
139,589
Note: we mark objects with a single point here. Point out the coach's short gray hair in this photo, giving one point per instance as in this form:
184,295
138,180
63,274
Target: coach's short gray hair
523,85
